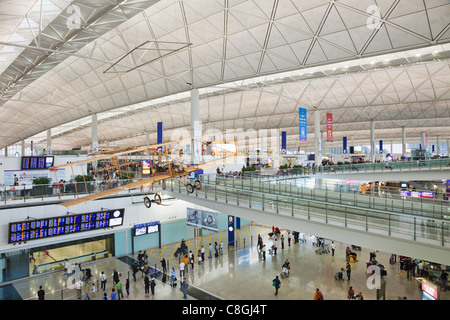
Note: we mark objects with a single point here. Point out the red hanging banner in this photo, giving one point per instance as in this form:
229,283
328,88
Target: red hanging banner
329,127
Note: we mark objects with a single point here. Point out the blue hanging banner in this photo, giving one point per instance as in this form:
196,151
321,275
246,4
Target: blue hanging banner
230,230
302,124
159,134
283,142
381,146
344,144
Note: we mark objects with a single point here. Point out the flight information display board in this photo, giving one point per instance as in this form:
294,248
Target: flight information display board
56,226
37,163
146,228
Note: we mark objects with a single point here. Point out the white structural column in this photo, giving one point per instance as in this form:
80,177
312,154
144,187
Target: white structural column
323,139
94,134
22,148
147,142
403,142
372,141
438,150
317,142
196,127
49,142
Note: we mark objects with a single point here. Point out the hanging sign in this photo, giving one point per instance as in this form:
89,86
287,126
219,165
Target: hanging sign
329,127
302,123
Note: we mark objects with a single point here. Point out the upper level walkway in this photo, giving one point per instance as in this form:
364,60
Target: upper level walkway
383,171
411,228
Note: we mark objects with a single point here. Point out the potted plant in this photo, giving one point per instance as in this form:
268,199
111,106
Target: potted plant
80,181
41,186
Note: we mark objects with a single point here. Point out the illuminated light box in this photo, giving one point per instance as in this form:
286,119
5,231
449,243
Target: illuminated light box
146,228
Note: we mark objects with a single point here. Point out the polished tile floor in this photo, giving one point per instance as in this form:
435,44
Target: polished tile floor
239,274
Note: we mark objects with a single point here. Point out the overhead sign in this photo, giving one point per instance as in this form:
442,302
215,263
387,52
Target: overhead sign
302,124
283,142
329,127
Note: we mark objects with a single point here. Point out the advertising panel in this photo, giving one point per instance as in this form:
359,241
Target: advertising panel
202,219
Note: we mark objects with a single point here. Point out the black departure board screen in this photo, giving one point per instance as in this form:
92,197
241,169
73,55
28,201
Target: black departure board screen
37,163
56,226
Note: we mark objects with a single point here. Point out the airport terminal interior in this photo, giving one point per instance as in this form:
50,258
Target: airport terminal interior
224,150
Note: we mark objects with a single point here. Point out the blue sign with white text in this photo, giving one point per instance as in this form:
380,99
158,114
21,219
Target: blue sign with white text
302,124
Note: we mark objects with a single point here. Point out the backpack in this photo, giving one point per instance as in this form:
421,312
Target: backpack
320,296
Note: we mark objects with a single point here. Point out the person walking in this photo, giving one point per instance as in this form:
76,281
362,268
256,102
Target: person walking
199,256
172,276
113,294
147,285
163,265
221,248
135,269
203,253
259,243
277,284
93,290
103,281
87,291
191,259
216,249
210,251
289,239
182,268
115,276
282,241
318,295
444,277
152,285
347,254
78,285
184,287
348,268
41,293
333,247
183,247
119,289
351,294
127,287
67,267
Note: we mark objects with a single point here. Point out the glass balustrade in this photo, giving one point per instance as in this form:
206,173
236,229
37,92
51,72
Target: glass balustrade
353,212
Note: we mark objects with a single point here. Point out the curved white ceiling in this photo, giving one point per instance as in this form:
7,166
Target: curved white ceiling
134,54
